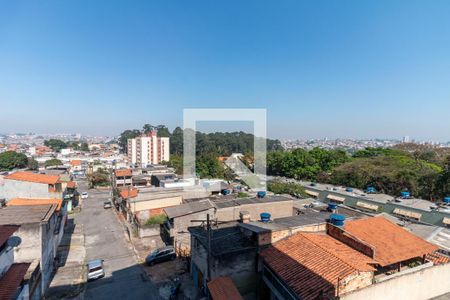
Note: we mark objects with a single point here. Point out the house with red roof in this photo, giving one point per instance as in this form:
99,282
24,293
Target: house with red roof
37,235
367,258
17,279
31,185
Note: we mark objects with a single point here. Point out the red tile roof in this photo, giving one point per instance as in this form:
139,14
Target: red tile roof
391,242
34,201
33,177
12,280
438,258
71,185
313,263
6,231
122,173
128,193
223,288
75,162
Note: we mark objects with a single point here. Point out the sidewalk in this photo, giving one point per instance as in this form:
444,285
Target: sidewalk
69,279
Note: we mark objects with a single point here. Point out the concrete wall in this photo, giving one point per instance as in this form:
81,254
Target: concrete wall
38,242
355,282
182,237
276,210
136,206
423,284
24,189
149,230
241,267
267,238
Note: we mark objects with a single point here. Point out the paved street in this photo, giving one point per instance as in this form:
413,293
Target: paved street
105,239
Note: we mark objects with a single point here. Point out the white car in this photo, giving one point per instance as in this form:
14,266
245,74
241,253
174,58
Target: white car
84,195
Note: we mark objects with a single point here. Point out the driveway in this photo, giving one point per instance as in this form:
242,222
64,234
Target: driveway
105,239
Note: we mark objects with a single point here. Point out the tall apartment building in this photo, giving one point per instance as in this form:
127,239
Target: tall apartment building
148,149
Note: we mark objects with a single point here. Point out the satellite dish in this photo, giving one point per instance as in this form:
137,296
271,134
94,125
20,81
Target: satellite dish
14,241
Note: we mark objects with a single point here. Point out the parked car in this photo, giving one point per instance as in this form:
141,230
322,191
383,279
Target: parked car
107,204
84,195
95,269
161,255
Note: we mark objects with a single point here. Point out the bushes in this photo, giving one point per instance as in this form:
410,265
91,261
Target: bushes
279,187
158,219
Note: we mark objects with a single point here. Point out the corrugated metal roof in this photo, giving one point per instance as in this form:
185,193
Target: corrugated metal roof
187,208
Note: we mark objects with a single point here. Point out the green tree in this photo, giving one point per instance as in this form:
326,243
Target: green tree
84,147
10,160
279,187
208,166
53,162
176,162
99,178
147,128
124,136
55,144
163,131
32,164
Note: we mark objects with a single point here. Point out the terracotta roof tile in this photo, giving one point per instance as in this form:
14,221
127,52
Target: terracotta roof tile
122,173
34,201
223,288
12,280
33,177
75,162
128,193
438,258
71,185
6,231
391,242
312,263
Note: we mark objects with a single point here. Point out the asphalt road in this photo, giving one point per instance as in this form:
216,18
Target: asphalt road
105,239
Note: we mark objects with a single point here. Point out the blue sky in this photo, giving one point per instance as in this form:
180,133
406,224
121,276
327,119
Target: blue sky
357,69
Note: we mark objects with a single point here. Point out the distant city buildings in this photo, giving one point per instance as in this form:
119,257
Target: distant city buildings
353,145
148,149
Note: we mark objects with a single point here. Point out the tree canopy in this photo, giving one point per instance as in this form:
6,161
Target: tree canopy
219,143
423,173
10,160
55,144
53,162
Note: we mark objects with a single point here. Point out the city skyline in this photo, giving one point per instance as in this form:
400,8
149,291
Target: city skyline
362,70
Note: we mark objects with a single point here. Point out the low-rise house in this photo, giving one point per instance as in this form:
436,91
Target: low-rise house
353,261
39,231
75,165
17,280
232,254
220,210
31,185
160,179
123,177
277,206
140,205
181,217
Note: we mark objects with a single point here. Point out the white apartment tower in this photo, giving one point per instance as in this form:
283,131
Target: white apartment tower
148,149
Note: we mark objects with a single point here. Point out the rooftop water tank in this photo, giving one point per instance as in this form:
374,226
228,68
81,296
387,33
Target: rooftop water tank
226,192
447,200
337,220
371,190
332,206
405,194
261,194
265,217
349,189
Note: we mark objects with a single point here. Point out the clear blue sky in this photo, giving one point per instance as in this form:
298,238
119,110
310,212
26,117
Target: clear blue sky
321,68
